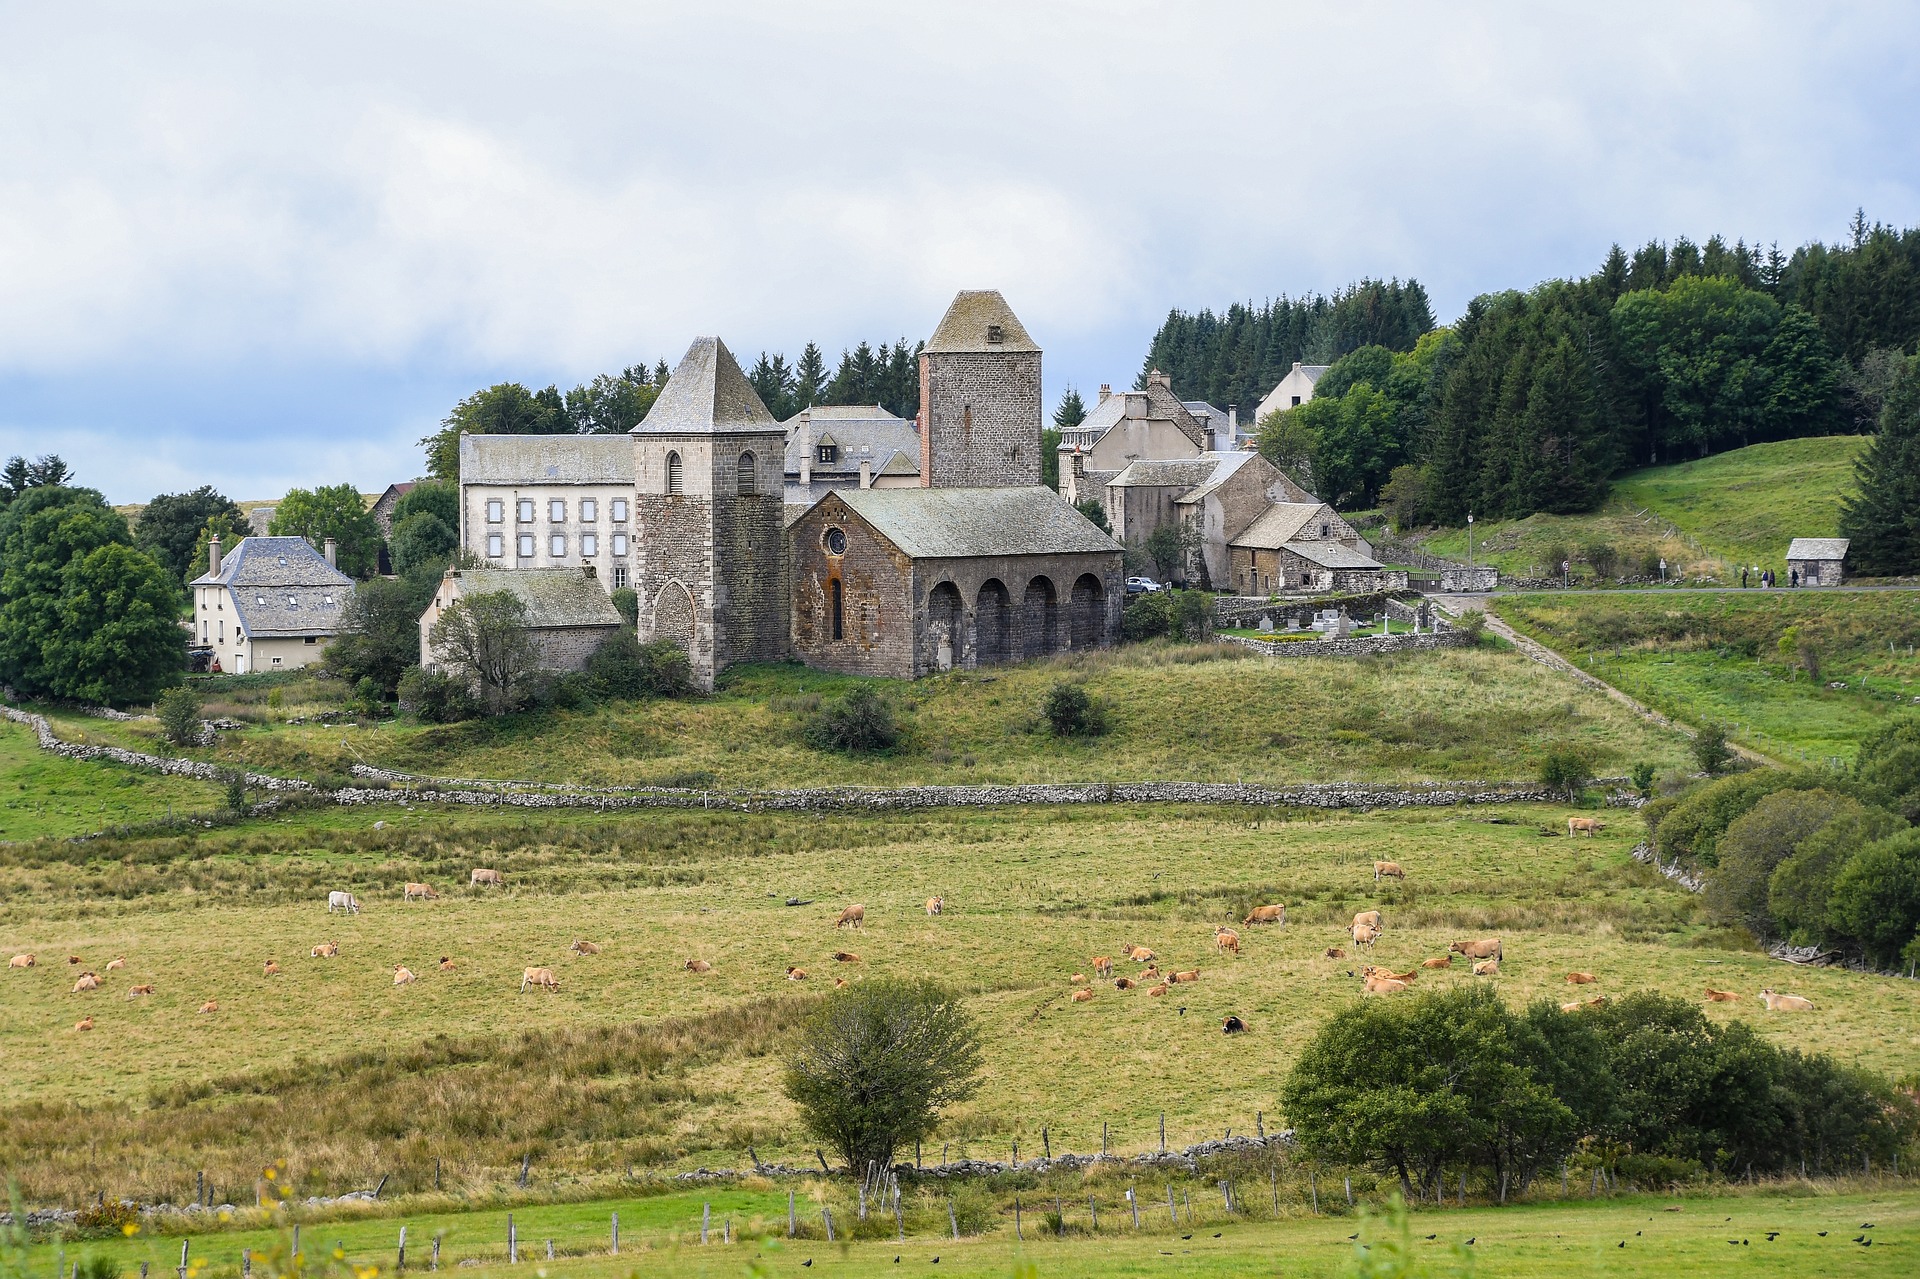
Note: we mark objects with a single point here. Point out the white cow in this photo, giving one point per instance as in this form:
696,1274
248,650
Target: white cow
338,900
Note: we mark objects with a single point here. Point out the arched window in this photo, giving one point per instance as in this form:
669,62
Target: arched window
675,483
746,480
839,611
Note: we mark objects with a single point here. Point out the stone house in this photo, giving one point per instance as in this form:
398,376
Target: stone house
1820,561
979,397
550,501
1293,390
1304,546
840,446
1217,494
568,614
271,604
382,512
1125,427
909,582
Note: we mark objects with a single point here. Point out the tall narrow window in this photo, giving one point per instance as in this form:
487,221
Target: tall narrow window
557,546
557,510
619,543
495,510
619,576
746,480
619,510
496,546
589,510
674,475
524,509
839,611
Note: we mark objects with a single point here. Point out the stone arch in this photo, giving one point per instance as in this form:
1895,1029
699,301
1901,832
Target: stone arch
746,475
676,475
1040,619
673,616
993,636
945,612
1087,609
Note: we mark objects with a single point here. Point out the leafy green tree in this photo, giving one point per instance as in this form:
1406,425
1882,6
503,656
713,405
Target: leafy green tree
1883,518
1876,897
1358,443
1567,770
1050,458
178,711
623,667
507,408
1801,886
611,404
1071,711
1756,843
230,532
1888,765
1095,511
1370,364
1290,439
426,529
172,523
332,511
1404,496
380,632
1171,547
19,475
809,378
1071,412
437,697
626,601
482,639
1709,748
878,1064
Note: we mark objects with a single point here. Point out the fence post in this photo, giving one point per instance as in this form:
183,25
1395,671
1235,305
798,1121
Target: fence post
1133,1202
900,1221
296,1248
400,1259
1186,1201
143,1270
513,1242
183,1259
246,1263
827,1215
706,1218
436,1174
862,1210
1260,1124
549,1250
1163,1132
525,1160
793,1224
435,1263
1349,1181
1016,1220
1273,1176
952,1220
1313,1188
1060,1215
1172,1212
1046,1146
1563,1179
1103,1139
616,1234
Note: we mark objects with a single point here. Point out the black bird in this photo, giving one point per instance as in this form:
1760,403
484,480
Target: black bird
1866,1243
1866,1225
1354,1235
1823,1234
1476,1237
1772,1235
1433,1236
1621,1244
1216,1234
1734,1242
896,1261
1859,1238
1637,1234
1183,1010
1165,1253
1186,1236
807,1262
936,1261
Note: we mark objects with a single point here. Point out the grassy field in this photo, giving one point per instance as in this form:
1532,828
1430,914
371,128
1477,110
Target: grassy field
43,794
1739,507
1216,713
1703,657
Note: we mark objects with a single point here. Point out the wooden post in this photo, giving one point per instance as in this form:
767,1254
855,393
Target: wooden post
1016,1152
616,1234
943,1153
1060,1215
296,1248
916,1152
436,1174
726,1231
183,1259
246,1263
1186,1201
1103,1139
1163,1132
1173,1214
1093,1215
525,1160
1046,1146
200,1186
1133,1202
1273,1176
513,1241
706,1219
1313,1189
1260,1124
143,1270
793,1223
435,1263
827,1215
1463,1187
1563,1179
1016,1220
400,1258
900,1221
952,1220
549,1250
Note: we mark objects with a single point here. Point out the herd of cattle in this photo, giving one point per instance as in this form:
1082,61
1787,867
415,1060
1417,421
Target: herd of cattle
1484,954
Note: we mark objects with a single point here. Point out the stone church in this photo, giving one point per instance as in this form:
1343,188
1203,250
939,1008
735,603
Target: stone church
980,564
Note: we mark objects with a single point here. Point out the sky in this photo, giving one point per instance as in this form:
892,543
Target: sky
264,246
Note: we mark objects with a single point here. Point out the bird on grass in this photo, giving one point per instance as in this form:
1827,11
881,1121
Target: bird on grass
1637,1234
1474,1240
1866,1225
1621,1244
1866,1243
1859,1238
1353,1236
1823,1234
1433,1236
1216,1234
1772,1235
807,1262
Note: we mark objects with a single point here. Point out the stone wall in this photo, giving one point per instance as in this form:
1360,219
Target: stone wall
1246,610
1479,578
982,415
879,623
1355,646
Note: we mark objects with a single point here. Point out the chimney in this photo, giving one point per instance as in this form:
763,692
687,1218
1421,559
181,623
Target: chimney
1296,366
1233,426
1156,378
1106,389
329,553
213,556
806,446
866,473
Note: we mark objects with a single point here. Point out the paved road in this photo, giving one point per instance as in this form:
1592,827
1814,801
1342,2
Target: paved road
1675,590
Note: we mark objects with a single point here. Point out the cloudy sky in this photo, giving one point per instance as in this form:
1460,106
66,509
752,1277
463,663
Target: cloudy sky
266,245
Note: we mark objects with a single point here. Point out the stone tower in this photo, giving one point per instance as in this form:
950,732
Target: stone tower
709,499
979,397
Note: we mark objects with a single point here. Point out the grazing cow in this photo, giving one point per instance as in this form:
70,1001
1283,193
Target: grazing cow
584,948
935,905
1485,948
1102,966
1124,983
1365,935
211,1006
272,968
1383,986
420,892
1078,979
1720,996
446,964
1275,914
338,900
1581,979
539,977
1225,939
326,950
1233,1026
1191,974
1589,825
87,982
483,875
1371,918
85,1023
403,975
1487,968
796,974
838,982
852,917
1388,870
22,961
698,966
1082,996
1446,962
1779,1003
1161,989
846,957
118,961
138,991
1140,955
1334,952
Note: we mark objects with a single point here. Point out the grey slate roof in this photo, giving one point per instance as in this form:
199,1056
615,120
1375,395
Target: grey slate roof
281,586
862,432
1278,525
964,326
1182,473
1817,548
553,597
546,459
955,523
1108,413
706,393
1225,465
1331,555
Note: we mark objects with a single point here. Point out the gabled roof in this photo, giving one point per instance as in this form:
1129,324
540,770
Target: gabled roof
707,393
553,597
1161,406
955,523
964,326
899,464
1226,465
546,459
1817,548
1312,372
281,586
1279,525
1181,473
1331,555
860,432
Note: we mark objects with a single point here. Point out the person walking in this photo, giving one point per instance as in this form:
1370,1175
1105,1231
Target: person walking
1743,577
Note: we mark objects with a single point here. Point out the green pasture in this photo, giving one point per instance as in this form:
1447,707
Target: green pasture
45,794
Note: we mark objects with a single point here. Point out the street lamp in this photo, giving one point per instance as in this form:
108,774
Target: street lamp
1469,550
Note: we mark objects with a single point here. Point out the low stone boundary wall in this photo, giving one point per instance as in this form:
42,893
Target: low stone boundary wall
1353,646
43,731
1247,610
1644,853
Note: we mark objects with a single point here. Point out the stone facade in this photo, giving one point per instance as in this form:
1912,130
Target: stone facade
545,501
273,604
568,615
1126,427
1476,580
1819,561
980,398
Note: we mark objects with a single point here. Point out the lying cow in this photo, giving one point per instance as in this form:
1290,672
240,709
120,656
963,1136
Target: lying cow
419,892
846,957
326,950
1233,1026
1581,979
446,963
1161,989
1124,983
539,977
1485,948
1383,986
403,975
1576,1005
272,968
118,961
1778,1003
1266,915
1720,996
1388,870
1589,826
22,961
138,991
1140,955
483,875
1082,996
698,966
211,1006
584,948
1191,974
796,974
85,1023
87,982
1487,968
338,900
1446,962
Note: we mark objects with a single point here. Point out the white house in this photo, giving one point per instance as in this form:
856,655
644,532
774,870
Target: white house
1295,389
273,604
550,501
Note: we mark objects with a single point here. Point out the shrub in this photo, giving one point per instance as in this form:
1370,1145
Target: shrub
1472,624
1643,777
1688,828
1710,749
1096,512
1757,842
1192,616
236,780
1567,770
179,712
1071,711
859,723
627,601
623,667
437,697
1602,557
1147,616
1889,764
1876,897
1800,887
877,1064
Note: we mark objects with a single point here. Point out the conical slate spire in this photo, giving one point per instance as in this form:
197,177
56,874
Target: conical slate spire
707,392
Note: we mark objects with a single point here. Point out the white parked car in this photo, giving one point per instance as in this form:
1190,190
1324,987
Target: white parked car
1143,586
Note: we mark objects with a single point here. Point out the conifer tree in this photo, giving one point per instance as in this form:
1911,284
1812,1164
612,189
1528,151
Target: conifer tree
1883,520
1072,411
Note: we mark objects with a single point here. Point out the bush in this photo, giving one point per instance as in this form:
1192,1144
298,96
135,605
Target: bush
179,712
1889,764
1876,897
1710,749
876,1065
236,780
1688,827
1096,512
1800,887
437,697
627,601
859,723
1602,557
622,667
1180,615
1071,712
1759,841
1567,770
1472,624
1643,777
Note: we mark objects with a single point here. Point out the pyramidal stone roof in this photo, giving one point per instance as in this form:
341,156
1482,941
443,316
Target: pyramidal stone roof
966,325
707,392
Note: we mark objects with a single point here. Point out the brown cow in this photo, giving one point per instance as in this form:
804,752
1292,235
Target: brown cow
584,948
1383,986
1124,983
1148,973
1161,989
419,892
482,875
74,959
1373,970
87,982
272,968
1102,966
1578,1004
839,982
796,974
1485,948
1140,954
1082,996
1720,996
542,977
1365,935
935,905
1487,968
1371,918
698,966
1078,979
1191,974
1446,962
1581,979
1233,1026
852,917
118,961
1388,870
326,950
1779,1003
85,1023
1225,939
403,975
138,991
1276,914
211,1006
1591,825
22,961
446,964
846,957
1334,952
